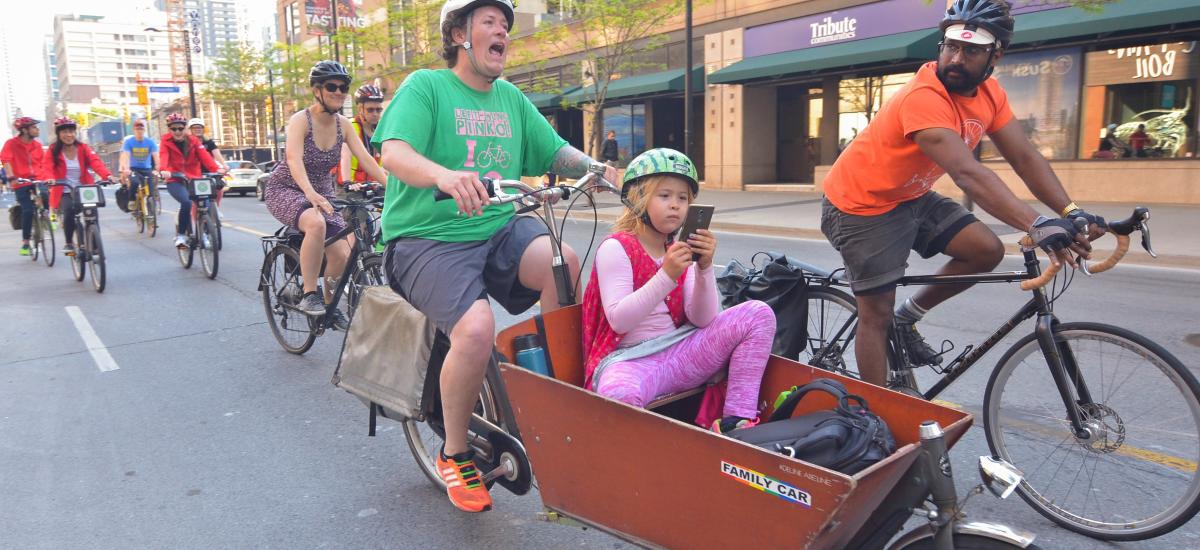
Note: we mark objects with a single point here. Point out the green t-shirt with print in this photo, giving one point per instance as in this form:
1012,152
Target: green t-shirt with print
498,134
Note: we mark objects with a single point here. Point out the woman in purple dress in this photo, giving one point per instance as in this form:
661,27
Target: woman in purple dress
300,190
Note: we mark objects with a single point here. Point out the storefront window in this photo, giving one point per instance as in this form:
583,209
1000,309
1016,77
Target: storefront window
1043,93
861,98
1143,86
629,122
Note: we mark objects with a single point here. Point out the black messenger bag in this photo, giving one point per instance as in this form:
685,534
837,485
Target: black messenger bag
847,439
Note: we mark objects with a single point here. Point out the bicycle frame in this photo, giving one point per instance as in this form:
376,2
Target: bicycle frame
1071,388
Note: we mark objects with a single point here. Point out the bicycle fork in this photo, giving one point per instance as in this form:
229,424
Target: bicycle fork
1065,372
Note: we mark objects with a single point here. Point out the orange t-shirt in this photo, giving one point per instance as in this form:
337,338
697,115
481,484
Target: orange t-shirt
884,167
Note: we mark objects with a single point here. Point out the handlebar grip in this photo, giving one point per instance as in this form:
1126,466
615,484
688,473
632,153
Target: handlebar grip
1041,280
488,183
1108,263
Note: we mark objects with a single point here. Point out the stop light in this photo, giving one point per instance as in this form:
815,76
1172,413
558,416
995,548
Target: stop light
142,95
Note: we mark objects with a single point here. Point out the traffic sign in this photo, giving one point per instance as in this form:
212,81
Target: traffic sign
165,89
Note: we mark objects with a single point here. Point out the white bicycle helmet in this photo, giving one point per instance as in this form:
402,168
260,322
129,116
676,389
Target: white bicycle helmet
195,122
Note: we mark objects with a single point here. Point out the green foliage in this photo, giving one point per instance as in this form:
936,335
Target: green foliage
609,35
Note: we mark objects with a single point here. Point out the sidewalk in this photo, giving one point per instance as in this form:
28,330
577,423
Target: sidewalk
1174,228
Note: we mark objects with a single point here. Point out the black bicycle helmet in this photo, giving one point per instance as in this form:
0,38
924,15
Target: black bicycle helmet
327,69
992,15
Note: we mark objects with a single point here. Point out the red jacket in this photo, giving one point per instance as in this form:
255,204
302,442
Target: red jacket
25,158
171,159
87,161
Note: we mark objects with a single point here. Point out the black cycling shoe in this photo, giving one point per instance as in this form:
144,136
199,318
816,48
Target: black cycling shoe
311,304
919,351
339,320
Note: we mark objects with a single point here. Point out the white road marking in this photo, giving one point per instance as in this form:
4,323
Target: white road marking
104,361
254,232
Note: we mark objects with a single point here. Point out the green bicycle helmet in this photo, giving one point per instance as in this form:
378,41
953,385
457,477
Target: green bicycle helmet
659,161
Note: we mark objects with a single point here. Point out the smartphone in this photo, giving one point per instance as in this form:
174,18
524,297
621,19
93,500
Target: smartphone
698,217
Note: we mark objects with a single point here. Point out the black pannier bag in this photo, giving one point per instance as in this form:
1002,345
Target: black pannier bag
781,284
847,439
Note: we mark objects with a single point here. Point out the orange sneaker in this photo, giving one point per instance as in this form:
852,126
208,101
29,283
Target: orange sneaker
464,485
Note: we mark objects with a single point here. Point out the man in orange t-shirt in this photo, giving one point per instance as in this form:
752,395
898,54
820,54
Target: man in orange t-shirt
879,205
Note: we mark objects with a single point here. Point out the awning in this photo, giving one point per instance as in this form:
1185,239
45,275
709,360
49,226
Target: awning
910,46
640,85
548,101
1122,16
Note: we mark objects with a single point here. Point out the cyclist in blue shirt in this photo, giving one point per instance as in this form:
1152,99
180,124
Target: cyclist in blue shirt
138,155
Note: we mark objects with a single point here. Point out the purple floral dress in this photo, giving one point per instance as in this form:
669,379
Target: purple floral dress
286,201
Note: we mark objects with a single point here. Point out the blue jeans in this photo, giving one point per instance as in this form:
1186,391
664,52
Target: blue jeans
25,198
179,192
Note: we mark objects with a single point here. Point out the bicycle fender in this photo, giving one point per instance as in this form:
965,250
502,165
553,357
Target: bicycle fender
1018,538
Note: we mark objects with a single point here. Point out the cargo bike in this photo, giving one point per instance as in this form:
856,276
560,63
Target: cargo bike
651,477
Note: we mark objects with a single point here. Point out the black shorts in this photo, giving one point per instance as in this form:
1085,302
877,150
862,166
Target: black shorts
875,249
443,279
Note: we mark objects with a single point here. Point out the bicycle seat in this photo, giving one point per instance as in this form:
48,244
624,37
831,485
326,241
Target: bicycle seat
837,276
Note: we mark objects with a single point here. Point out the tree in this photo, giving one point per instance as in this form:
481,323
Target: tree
609,35
238,82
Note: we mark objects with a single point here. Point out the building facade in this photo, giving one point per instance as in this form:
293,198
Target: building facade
786,85
99,63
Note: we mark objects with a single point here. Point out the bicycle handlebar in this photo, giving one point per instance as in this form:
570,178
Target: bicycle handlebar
538,193
1122,230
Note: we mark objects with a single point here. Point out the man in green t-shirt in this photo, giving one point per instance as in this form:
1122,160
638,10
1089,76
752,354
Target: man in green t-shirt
443,130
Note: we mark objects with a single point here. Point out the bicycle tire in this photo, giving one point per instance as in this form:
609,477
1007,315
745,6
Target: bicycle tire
215,219
148,213
282,282
421,435
210,259
1132,466
47,240
35,240
186,253
139,217
77,265
96,258
371,274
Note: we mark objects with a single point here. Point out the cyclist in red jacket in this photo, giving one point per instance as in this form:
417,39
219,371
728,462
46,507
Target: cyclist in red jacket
182,153
22,158
70,161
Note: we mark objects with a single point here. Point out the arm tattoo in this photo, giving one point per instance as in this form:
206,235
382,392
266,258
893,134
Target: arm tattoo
570,162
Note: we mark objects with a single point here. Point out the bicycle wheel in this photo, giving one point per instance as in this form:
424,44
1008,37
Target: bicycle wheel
35,240
95,257
215,220
186,253
139,216
282,287
150,209
47,240
77,265
209,253
830,331
1136,476
425,438
371,274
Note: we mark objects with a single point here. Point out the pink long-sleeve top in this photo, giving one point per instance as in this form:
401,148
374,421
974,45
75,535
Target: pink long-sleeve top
642,314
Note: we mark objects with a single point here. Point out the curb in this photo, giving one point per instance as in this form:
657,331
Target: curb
1134,258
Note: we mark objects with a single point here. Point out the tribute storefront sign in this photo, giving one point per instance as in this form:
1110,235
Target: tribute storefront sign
869,21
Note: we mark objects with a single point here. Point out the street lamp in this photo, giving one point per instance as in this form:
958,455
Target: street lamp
274,125
187,45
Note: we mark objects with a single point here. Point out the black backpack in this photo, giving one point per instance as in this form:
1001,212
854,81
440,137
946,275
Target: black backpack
847,439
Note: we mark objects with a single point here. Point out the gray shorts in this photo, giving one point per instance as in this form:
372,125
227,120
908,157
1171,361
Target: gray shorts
875,249
443,279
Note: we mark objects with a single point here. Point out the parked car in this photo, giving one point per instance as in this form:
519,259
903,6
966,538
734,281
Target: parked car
266,168
243,177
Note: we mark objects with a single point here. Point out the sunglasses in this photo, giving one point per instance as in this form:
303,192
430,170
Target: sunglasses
177,128
331,87
374,110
